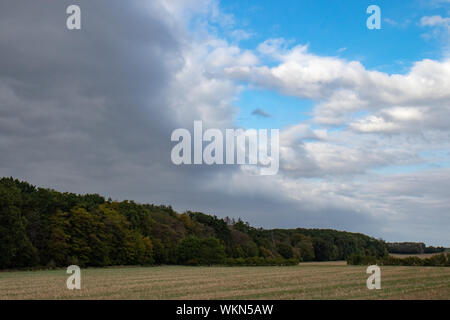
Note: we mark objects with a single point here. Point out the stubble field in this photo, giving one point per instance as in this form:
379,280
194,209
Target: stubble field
306,281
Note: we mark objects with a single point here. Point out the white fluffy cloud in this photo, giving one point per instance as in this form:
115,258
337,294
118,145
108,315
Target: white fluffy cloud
342,87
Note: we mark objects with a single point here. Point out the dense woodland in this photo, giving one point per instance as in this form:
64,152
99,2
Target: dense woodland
45,228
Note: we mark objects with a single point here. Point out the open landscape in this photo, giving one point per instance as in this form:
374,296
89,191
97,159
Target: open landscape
128,250
315,280
211,150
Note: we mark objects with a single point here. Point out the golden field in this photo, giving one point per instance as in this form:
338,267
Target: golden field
328,280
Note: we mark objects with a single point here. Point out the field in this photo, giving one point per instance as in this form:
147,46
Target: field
332,280
421,256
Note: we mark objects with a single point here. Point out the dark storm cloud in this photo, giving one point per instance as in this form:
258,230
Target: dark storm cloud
87,110
83,105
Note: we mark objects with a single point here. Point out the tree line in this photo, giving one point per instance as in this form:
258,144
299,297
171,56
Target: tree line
412,248
45,228
438,260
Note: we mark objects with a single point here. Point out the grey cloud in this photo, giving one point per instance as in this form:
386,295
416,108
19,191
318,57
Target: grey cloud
414,205
84,105
93,111
261,113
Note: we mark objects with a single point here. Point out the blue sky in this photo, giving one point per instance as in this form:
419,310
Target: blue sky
330,28
282,111
330,25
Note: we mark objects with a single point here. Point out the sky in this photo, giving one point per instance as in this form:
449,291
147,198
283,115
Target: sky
364,115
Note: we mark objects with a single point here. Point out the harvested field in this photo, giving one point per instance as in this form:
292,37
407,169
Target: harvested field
329,280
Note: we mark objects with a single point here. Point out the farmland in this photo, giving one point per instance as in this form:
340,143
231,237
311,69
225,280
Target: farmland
421,256
327,280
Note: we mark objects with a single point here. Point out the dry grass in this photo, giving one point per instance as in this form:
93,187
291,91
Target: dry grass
332,280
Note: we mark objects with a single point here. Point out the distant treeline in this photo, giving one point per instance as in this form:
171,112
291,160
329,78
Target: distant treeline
412,248
45,228
439,260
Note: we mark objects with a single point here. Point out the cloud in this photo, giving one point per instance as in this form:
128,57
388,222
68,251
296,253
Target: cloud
392,120
93,111
440,29
374,124
240,34
274,47
434,21
390,21
386,120
395,23
343,87
261,113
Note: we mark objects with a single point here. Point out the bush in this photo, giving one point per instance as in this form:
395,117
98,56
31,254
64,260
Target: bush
361,259
51,264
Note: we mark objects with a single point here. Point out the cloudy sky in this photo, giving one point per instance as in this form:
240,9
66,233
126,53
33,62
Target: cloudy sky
364,115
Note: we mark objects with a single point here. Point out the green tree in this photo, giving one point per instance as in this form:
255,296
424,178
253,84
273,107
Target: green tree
306,247
59,249
285,250
324,250
196,251
16,249
88,238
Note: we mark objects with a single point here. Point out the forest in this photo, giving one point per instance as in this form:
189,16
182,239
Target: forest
44,228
